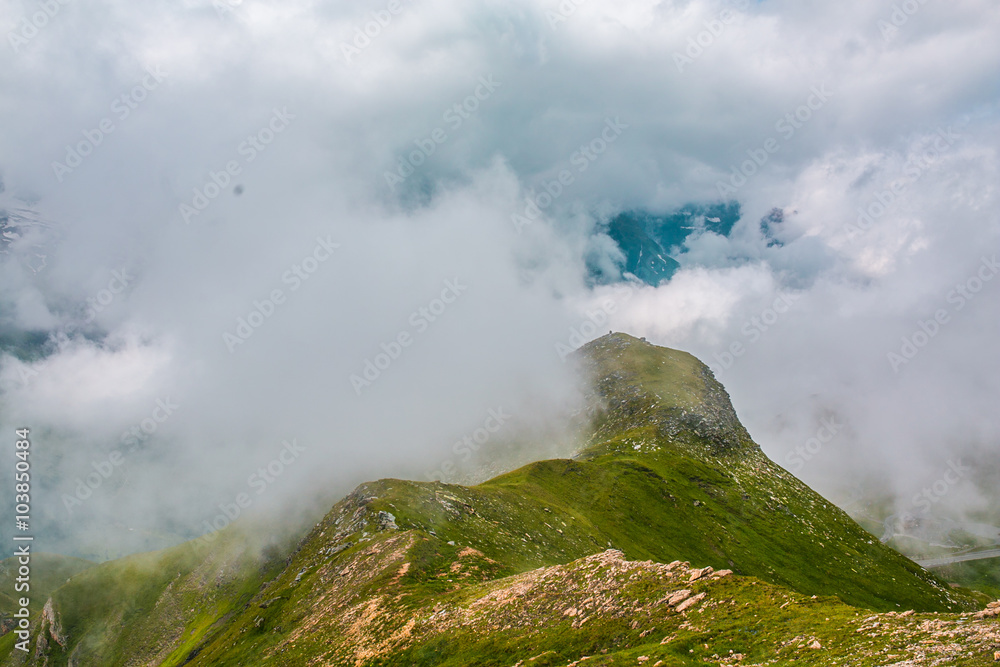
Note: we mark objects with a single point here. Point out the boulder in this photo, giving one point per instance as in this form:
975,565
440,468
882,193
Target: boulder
690,602
992,611
677,597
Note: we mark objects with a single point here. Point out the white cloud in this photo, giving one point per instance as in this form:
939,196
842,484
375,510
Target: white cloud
353,121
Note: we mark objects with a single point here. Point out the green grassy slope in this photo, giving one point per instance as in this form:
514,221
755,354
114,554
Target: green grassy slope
152,608
48,572
408,598
980,575
669,474
677,477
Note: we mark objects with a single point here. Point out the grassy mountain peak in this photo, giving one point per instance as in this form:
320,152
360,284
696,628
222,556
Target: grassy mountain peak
544,565
641,384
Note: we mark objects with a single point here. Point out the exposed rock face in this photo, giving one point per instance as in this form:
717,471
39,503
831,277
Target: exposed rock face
717,421
49,627
387,521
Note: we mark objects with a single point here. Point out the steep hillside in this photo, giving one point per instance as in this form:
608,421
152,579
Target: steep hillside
644,257
403,572
404,598
49,572
151,608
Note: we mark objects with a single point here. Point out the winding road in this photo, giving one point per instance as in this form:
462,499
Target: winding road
961,558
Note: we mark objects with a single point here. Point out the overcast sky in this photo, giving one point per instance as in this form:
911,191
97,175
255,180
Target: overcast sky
355,194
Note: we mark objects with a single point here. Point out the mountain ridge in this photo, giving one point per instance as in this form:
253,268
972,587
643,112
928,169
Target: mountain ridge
667,476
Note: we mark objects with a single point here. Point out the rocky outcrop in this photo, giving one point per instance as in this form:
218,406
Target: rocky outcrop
387,521
623,401
49,626
992,611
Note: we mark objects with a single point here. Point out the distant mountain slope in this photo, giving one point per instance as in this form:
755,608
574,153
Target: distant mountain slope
403,572
151,608
644,258
48,572
650,241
